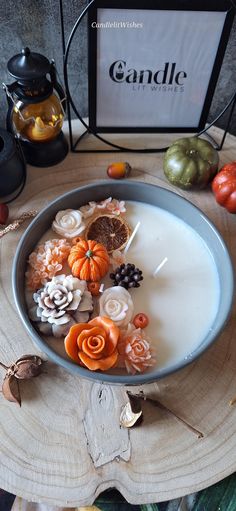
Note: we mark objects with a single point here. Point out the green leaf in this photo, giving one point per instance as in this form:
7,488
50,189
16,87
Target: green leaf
219,497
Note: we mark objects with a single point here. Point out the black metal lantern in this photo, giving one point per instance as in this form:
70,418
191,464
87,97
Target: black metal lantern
36,108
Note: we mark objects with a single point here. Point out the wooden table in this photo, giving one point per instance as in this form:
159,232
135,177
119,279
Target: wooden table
64,445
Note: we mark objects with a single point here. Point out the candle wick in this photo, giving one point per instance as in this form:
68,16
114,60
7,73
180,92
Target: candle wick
158,268
132,237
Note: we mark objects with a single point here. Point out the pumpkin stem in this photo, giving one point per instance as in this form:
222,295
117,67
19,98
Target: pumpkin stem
89,253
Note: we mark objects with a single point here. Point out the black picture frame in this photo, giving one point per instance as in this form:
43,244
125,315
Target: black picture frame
167,5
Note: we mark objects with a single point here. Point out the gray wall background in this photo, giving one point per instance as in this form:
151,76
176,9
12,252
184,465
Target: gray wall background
36,23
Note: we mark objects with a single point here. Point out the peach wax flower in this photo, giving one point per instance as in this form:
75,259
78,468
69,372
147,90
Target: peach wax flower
116,207
117,258
88,210
93,344
109,205
135,350
112,206
46,261
104,203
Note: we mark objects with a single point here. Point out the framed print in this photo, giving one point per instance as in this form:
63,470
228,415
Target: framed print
153,66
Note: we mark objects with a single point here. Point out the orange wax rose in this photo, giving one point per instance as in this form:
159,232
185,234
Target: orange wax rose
93,344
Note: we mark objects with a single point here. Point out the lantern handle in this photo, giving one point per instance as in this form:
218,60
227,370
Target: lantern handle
9,90
56,85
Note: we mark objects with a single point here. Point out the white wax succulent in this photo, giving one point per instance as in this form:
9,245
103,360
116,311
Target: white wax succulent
68,223
62,302
116,304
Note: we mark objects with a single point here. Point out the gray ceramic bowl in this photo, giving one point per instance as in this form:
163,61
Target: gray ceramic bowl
143,193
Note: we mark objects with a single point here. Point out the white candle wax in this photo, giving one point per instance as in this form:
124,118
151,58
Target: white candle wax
182,300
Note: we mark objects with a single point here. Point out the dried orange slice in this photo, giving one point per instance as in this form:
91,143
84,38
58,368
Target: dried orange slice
110,230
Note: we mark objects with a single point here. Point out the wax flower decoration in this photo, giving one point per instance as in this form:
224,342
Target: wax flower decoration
117,258
46,261
93,344
135,352
113,206
116,303
66,277
88,210
101,345
68,223
109,205
61,303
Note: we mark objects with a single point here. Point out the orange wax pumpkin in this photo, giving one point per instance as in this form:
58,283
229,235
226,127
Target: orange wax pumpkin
88,260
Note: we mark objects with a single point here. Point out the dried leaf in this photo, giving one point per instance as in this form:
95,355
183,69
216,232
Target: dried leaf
10,389
28,366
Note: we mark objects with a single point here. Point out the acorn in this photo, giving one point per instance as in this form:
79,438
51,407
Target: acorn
119,170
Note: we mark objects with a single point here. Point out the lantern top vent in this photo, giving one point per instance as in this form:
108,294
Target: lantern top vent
28,66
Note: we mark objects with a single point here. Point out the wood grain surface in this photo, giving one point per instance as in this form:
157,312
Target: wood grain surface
64,445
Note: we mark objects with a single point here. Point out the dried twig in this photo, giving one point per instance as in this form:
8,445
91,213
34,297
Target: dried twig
16,223
158,404
4,366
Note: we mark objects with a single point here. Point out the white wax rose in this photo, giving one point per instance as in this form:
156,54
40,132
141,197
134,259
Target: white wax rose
68,223
116,304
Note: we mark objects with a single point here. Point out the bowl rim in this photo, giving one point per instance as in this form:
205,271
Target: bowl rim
116,379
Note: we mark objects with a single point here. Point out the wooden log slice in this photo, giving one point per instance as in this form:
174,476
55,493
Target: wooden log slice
64,445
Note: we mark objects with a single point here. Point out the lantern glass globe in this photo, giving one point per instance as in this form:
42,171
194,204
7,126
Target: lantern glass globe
38,122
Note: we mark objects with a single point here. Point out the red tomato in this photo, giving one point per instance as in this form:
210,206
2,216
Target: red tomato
224,187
